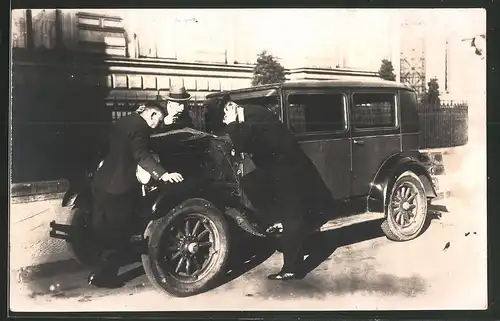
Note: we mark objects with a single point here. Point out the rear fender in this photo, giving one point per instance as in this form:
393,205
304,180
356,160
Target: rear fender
218,197
190,202
77,198
386,176
168,200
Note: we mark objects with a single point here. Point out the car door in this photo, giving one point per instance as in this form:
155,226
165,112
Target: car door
375,133
318,119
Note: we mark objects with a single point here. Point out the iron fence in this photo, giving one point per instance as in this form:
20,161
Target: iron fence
443,126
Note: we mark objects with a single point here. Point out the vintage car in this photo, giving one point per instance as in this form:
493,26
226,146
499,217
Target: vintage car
361,136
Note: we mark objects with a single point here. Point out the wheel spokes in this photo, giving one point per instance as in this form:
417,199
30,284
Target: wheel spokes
202,234
176,255
188,266
412,197
196,227
398,214
188,246
406,219
181,261
205,244
399,194
187,228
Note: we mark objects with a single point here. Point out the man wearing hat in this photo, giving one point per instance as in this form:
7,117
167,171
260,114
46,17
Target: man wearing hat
115,188
177,114
285,172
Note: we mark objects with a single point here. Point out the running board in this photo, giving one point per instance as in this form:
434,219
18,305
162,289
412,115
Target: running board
350,220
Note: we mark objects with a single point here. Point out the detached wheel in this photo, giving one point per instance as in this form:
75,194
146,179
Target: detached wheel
80,246
407,209
188,250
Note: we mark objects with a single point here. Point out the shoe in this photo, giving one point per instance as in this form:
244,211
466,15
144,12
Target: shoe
286,276
105,281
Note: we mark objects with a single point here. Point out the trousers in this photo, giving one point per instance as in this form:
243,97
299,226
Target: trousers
113,223
292,205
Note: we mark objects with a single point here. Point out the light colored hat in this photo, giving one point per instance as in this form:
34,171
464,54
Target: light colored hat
178,93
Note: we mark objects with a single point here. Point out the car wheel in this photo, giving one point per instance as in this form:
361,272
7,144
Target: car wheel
188,250
80,245
406,210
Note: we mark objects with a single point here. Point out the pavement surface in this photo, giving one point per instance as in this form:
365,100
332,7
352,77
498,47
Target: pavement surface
353,268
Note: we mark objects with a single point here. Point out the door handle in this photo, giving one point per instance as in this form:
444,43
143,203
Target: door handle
359,142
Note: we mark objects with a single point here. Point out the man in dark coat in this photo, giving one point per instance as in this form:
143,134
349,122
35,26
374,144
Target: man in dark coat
284,171
115,188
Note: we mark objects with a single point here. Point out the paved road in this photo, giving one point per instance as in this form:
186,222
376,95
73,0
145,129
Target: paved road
356,267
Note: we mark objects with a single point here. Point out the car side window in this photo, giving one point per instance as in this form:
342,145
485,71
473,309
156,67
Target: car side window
374,110
309,113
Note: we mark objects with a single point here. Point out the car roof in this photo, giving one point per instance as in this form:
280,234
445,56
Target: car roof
337,83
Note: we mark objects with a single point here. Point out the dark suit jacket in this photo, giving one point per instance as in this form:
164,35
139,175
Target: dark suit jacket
128,147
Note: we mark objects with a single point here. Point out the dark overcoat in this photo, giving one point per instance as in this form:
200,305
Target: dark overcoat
282,167
128,147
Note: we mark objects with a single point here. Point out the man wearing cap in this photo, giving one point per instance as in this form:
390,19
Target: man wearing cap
286,172
115,188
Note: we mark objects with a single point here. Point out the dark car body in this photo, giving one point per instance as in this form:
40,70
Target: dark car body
359,134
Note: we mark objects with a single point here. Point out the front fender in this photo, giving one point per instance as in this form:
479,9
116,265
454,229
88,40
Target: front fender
388,173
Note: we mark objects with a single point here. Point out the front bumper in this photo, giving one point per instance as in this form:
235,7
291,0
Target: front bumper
441,186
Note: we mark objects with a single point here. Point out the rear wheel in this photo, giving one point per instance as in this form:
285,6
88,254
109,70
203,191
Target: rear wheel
407,209
188,250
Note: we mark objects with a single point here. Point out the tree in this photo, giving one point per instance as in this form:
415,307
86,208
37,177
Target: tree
386,70
267,70
431,95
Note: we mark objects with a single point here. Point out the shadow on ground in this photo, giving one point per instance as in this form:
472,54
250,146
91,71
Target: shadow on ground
360,276
247,253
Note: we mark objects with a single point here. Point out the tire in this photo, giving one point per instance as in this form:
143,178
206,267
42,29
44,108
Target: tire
80,246
406,211
162,271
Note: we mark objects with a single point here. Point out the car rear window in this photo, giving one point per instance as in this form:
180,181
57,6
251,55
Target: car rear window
374,110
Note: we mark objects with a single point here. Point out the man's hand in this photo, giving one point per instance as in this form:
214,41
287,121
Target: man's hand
230,113
172,177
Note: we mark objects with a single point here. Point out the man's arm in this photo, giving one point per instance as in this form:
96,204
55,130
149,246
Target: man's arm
139,142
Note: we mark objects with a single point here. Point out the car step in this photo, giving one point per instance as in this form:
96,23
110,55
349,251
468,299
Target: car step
277,228
350,220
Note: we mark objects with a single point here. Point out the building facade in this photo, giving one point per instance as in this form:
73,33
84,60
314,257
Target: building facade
75,71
